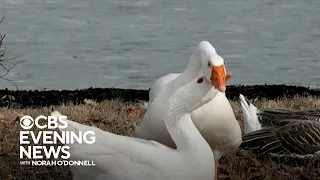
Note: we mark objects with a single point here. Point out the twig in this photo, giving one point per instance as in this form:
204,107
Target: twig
1,38
8,59
2,59
7,70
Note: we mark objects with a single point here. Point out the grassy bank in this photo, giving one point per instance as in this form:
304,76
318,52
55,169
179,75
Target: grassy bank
118,117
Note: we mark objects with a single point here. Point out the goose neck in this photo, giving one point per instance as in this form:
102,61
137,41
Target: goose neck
193,69
182,129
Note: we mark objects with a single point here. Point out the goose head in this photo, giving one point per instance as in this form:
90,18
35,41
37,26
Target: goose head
213,66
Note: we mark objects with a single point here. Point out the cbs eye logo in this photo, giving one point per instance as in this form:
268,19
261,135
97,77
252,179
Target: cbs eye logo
26,122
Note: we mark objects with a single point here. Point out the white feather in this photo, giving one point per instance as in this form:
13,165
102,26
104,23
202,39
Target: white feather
250,117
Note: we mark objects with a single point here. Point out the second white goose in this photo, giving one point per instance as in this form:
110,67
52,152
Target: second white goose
128,158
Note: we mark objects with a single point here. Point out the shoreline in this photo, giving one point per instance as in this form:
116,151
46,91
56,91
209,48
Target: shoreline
46,98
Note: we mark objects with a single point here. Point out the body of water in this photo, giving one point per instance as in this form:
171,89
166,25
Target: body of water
71,44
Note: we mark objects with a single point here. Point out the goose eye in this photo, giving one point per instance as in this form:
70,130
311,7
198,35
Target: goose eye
200,80
209,65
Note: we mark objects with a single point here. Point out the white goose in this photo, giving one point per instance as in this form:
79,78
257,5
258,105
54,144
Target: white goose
215,120
128,158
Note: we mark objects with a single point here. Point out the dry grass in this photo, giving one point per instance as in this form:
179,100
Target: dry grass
117,117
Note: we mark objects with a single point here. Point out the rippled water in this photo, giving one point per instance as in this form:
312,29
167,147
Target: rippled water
129,43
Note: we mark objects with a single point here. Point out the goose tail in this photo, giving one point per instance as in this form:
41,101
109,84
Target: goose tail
250,115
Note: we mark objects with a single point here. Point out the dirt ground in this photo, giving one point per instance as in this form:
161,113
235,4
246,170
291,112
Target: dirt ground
118,117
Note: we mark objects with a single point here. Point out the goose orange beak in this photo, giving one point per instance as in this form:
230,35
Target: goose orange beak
219,77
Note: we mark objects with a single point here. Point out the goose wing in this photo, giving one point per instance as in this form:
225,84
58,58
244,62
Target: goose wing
300,137
296,137
281,117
